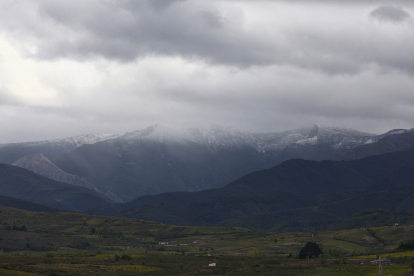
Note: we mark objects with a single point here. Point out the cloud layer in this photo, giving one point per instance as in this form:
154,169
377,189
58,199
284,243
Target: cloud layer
114,66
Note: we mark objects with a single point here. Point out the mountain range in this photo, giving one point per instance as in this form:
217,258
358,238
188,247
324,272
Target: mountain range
178,175
163,159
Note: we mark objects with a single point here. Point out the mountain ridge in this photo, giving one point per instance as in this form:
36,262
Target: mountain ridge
11,152
393,141
41,165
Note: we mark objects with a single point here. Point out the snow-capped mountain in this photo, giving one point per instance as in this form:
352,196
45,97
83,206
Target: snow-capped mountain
337,137
162,158
52,149
40,164
211,136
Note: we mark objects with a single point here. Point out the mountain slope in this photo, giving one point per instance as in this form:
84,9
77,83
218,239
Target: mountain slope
52,149
344,188
41,165
22,184
162,159
398,140
335,215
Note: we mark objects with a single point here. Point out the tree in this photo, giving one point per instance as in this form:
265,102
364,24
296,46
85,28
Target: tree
309,250
406,245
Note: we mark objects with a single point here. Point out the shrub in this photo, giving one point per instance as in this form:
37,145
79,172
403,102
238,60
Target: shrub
126,257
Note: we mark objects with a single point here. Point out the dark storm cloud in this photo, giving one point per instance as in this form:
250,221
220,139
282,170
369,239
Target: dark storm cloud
129,30
390,13
193,30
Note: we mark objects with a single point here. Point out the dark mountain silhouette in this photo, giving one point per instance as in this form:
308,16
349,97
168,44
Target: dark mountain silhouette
336,215
307,194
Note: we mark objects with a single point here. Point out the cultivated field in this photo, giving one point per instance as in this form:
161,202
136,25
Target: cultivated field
34,243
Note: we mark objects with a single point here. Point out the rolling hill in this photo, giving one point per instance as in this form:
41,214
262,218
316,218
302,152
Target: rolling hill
305,193
25,205
20,183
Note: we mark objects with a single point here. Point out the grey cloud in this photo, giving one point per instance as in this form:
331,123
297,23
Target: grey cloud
127,31
157,5
162,4
340,70
390,13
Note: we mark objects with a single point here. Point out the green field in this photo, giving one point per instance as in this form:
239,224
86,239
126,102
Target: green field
37,243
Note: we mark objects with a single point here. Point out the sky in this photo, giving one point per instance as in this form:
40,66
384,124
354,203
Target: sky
75,67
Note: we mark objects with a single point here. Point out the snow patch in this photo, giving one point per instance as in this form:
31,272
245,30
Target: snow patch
308,141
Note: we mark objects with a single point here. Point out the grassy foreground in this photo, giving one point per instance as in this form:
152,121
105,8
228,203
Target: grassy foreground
36,243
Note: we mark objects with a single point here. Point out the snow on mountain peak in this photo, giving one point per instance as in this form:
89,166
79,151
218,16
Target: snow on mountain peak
217,135
85,139
210,136
158,132
70,142
327,129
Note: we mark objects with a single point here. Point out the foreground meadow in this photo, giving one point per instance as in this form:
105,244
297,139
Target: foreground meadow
35,243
